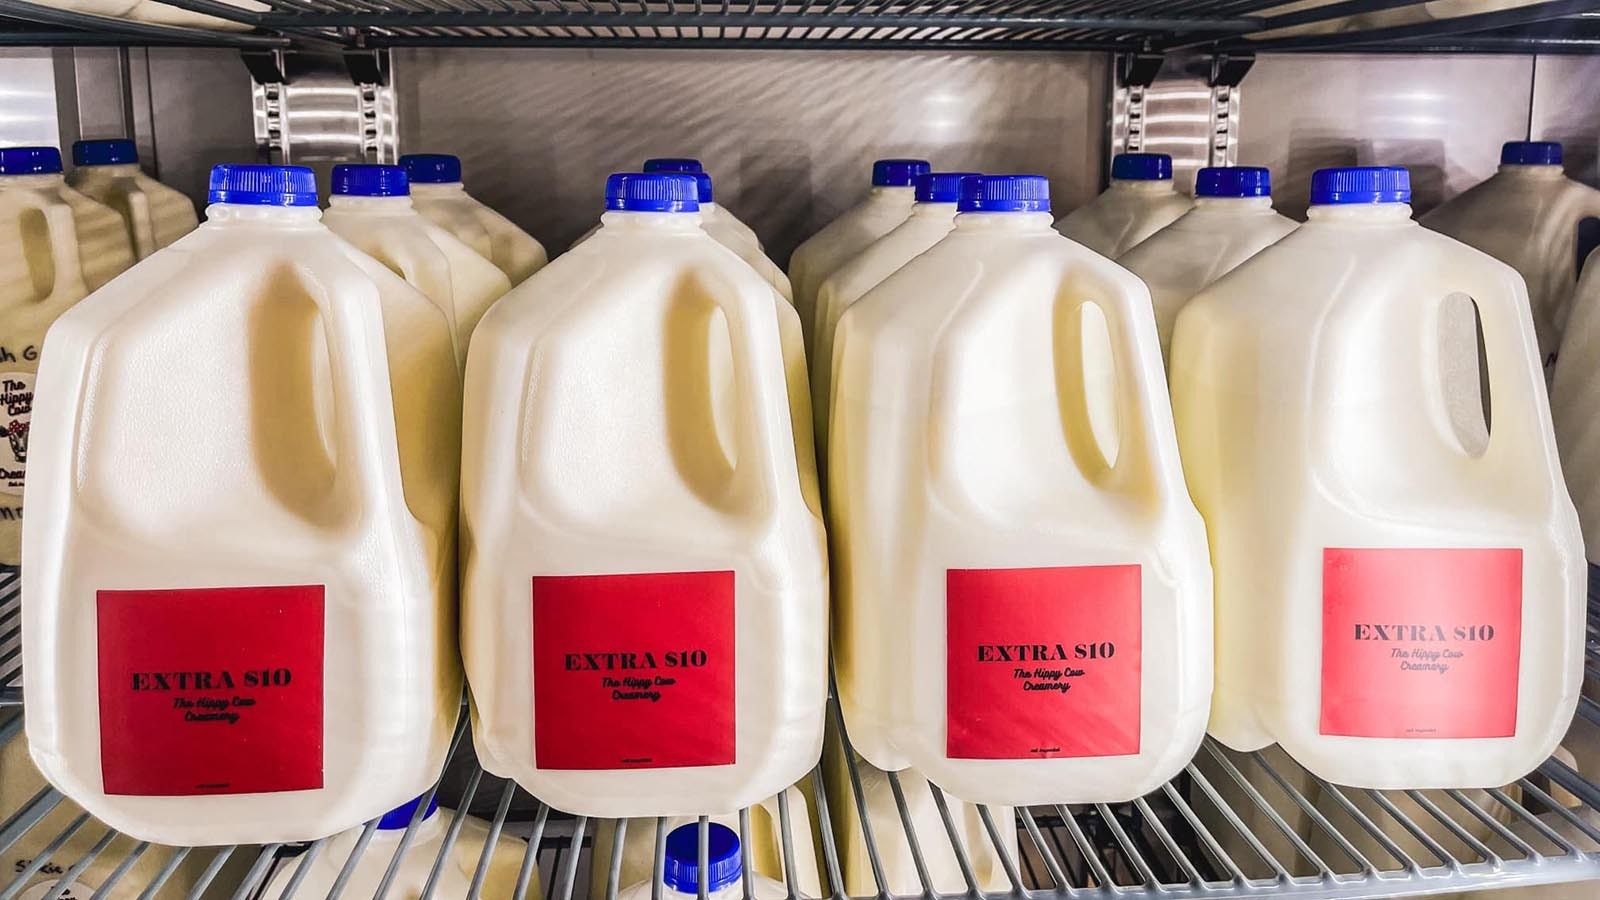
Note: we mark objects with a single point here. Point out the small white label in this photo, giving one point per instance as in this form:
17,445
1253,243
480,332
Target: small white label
16,414
77,890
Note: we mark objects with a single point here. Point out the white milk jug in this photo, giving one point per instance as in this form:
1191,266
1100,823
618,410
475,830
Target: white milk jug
650,504
420,867
1232,220
1140,202
243,515
875,215
1400,596
1575,405
714,218
437,193
932,217
1532,217
1024,612
56,245
153,214
370,206
724,871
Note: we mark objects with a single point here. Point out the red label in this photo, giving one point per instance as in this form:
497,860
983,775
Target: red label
1421,643
210,690
1042,663
633,671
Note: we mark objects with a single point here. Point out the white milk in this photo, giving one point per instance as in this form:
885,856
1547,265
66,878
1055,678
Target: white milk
651,503
1400,597
1532,217
1575,405
455,875
1140,202
153,214
437,193
875,215
371,208
249,436
931,219
714,218
725,875
1232,220
1001,438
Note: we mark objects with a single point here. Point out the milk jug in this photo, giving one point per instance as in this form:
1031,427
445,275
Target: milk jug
725,877
1400,595
1575,404
438,194
932,217
1140,202
370,207
1002,442
243,511
420,868
1534,218
875,215
153,214
714,218
56,245
648,504
1232,220
766,845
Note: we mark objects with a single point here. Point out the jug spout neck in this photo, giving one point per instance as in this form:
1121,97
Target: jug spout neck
1018,222
620,221
233,215
1362,213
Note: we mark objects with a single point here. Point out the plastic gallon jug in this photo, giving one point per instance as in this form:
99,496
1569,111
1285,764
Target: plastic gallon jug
1232,220
1002,442
370,207
438,194
56,245
1534,218
650,503
1575,404
725,877
153,214
1400,595
1140,202
766,845
243,516
875,215
714,218
931,218
417,869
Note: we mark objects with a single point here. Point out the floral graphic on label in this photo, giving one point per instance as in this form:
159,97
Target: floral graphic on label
16,414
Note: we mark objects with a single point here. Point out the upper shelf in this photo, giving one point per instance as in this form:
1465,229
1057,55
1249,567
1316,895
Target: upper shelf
1155,26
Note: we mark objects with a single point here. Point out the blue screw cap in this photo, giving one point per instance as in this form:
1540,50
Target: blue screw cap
680,869
263,185
940,187
432,168
684,165
1004,193
30,161
1233,181
898,172
1141,167
361,180
1361,184
653,192
400,817
113,152
1530,153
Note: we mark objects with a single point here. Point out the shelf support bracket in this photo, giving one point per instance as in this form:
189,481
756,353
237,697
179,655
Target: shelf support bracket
1227,72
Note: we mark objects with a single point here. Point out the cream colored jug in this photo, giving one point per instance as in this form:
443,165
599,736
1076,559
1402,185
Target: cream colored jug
153,214
875,215
437,193
1532,217
714,217
724,878
1232,220
244,516
56,245
1575,405
1399,594
1024,604
1140,202
370,207
648,503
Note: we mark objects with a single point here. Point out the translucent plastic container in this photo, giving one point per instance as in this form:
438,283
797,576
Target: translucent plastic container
649,503
153,214
1532,217
371,208
56,245
1232,220
714,217
1002,438
1575,405
1400,591
875,215
243,517
437,193
1140,202
725,876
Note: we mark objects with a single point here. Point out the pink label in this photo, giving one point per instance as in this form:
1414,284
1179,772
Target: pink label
633,671
210,690
1421,643
1042,663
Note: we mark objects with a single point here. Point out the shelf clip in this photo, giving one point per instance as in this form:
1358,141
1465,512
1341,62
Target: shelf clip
1227,72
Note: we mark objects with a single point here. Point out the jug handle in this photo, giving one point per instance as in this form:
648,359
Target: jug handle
1511,353
144,235
65,261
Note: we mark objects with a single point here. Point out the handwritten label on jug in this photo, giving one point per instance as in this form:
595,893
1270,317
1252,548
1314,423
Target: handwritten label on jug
16,414
1421,643
1042,663
211,690
645,662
